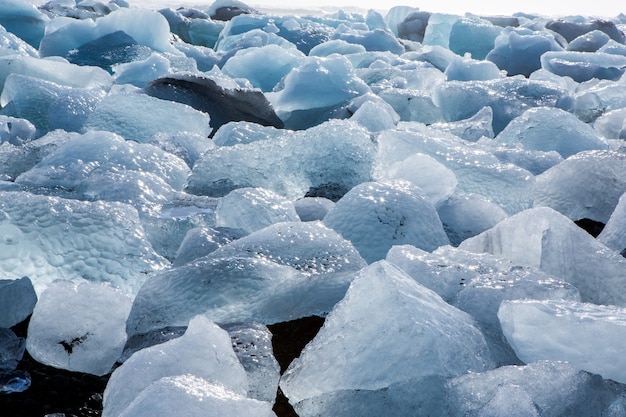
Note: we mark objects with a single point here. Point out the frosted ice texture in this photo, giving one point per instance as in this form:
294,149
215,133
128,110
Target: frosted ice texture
74,240
586,335
16,131
536,162
545,239
79,327
583,66
471,129
612,124
473,35
578,187
138,117
464,69
194,396
414,336
375,216
614,233
251,209
312,208
140,73
11,44
547,129
204,351
17,298
328,160
200,241
234,133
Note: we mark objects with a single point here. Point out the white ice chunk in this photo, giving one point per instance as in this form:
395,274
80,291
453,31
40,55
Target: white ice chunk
467,215
612,124
586,335
336,46
79,327
251,209
473,35
579,186
614,233
413,338
312,208
93,153
538,389
138,117
396,15
545,239
17,298
466,69
473,128
376,116
536,162
11,44
233,133
548,129
200,241
46,238
375,216
140,73
438,29
204,351
194,396
24,19
324,161
16,131
412,105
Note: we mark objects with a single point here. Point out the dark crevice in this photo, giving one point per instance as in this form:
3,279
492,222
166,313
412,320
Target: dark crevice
594,228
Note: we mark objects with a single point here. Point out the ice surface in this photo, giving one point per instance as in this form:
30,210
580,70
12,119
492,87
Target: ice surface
438,30
577,187
375,114
583,66
471,129
140,73
412,105
193,26
324,161
614,233
11,44
75,240
233,133
571,29
414,338
336,46
535,162
138,117
373,40
16,131
545,239
200,241
23,19
312,208
612,124
467,215
194,396
473,35
549,128
586,335
17,298
11,350
589,42
375,216
79,327
204,351
251,209
466,69
283,272
544,388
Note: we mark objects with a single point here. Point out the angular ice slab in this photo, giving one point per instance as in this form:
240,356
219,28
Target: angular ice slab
196,397
583,66
46,238
415,339
251,209
508,98
79,327
280,273
614,233
589,42
17,298
375,216
551,129
22,18
545,239
93,153
544,388
588,336
138,117
586,185
324,161
473,35
204,351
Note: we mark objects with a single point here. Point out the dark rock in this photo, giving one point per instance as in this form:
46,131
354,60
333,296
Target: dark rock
572,30
222,104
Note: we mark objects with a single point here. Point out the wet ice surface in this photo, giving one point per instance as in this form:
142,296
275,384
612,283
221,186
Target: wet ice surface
176,185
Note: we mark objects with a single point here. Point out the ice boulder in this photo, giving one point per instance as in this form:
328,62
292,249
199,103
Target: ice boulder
614,233
196,396
138,117
280,273
18,299
467,215
324,161
79,327
312,91
193,26
412,104
200,241
550,128
251,209
11,351
507,97
205,351
586,335
543,388
577,187
140,73
438,29
46,238
612,124
519,50
376,39
545,239
536,162
472,128
473,35
467,69
72,164
415,338
375,216
218,95
312,208
234,133
24,20
583,66
482,296
16,131
589,42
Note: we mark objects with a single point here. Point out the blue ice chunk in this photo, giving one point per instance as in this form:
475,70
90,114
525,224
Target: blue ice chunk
589,42
11,44
583,66
14,381
467,69
22,18
375,40
473,35
18,298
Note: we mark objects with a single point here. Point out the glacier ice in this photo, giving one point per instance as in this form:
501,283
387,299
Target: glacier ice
473,35
79,327
583,66
589,42
204,351
614,233
200,241
18,299
16,131
587,336
25,20
375,216
312,208
415,338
